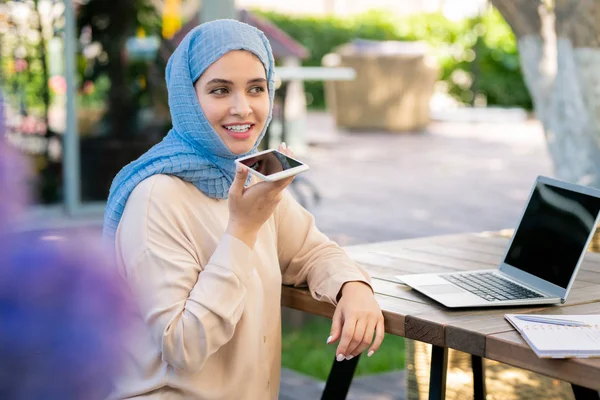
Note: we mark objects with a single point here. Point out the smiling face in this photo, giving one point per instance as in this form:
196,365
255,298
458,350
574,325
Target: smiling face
233,95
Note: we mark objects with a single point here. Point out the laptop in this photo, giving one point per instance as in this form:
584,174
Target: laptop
542,258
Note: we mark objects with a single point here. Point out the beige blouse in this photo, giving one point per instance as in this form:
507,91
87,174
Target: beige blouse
209,321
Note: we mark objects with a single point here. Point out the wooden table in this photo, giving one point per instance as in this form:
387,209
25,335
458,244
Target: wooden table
480,332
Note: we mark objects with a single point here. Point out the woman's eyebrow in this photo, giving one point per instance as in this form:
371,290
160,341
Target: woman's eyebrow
226,82
257,80
220,81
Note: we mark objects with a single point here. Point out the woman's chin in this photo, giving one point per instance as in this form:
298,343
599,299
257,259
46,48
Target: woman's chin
240,147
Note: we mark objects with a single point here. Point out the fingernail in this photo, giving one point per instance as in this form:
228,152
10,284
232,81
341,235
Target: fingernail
238,168
349,358
283,145
340,357
329,339
370,353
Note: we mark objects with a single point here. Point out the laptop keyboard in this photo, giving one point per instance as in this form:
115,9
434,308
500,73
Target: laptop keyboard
490,286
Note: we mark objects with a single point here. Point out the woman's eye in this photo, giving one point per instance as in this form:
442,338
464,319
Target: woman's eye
219,91
257,89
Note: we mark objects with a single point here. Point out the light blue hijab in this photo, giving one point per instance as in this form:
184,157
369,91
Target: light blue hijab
192,150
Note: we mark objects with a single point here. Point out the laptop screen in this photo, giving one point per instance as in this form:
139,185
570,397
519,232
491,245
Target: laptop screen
553,233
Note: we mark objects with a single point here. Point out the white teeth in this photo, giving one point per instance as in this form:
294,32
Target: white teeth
238,128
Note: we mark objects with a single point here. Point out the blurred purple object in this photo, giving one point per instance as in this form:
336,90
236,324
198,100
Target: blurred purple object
14,175
63,306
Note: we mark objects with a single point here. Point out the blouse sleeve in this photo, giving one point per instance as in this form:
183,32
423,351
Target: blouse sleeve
308,257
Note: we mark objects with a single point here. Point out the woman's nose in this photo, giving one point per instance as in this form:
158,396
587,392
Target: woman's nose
241,106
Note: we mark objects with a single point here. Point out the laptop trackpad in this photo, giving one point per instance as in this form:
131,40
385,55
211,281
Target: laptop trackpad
441,289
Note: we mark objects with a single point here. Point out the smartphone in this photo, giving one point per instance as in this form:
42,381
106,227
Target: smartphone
272,165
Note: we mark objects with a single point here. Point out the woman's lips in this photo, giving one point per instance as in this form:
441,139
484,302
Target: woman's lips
240,135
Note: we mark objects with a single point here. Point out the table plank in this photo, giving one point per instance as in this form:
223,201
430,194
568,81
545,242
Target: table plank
483,247
590,264
423,330
397,291
485,243
383,262
440,260
510,348
584,278
394,309
458,254
467,330
586,294
411,242
300,299
396,258
521,355
462,330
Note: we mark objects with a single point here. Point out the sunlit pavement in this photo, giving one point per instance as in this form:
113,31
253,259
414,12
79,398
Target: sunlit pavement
454,177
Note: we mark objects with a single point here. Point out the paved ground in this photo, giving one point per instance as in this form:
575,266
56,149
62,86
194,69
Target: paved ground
389,386
455,177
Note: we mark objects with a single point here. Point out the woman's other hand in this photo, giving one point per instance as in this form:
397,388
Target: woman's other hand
356,320
250,207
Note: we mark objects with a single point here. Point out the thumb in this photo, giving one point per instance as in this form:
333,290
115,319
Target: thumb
241,175
336,327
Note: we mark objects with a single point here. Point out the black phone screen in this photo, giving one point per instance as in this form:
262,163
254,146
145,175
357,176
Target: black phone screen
271,163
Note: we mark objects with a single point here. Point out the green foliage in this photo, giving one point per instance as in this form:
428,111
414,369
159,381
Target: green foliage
304,350
477,56
500,72
24,86
21,77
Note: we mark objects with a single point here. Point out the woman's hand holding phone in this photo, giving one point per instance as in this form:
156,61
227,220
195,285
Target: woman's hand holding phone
250,207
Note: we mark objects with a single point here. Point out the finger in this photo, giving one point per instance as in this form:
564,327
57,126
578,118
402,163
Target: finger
379,333
241,175
267,190
283,183
285,149
346,338
336,327
357,338
289,151
367,338
278,186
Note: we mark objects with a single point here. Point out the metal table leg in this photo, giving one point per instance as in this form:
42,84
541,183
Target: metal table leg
339,379
478,377
437,377
582,393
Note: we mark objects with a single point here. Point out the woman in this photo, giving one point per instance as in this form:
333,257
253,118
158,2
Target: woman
204,254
